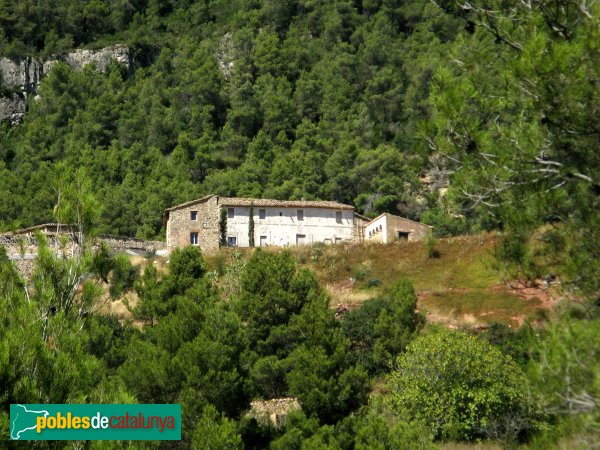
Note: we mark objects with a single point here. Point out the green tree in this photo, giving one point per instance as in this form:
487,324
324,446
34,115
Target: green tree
223,227
462,386
215,432
251,225
381,328
564,371
296,346
521,129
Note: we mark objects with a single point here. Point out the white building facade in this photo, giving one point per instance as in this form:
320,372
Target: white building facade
286,226
281,223
276,223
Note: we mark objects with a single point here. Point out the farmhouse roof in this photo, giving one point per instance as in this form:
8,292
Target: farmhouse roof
190,203
258,202
398,217
264,202
361,217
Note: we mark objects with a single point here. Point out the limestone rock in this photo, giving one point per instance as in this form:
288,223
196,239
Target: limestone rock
26,74
12,108
225,55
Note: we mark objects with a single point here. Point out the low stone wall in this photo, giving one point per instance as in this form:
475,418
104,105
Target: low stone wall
125,243
22,249
25,246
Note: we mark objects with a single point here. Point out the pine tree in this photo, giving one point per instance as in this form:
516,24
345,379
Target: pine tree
223,228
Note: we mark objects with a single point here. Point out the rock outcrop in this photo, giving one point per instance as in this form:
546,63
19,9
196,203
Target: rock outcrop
26,74
12,108
273,412
225,55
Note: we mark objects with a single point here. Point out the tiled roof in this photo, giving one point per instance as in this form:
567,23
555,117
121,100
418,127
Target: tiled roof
191,202
397,217
361,217
263,202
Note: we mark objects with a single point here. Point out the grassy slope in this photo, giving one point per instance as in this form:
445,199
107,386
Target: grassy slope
459,288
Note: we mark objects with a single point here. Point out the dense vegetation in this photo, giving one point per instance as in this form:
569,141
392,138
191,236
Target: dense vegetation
318,100
344,100
275,336
348,101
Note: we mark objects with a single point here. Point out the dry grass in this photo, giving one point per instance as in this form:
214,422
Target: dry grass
479,307
458,288
120,307
469,446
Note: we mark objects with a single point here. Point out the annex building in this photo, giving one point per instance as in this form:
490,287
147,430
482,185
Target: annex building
276,223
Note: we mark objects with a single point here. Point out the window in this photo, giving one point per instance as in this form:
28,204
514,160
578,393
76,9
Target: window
403,235
263,241
300,214
280,214
193,215
338,216
194,238
232,241
230,213
262,214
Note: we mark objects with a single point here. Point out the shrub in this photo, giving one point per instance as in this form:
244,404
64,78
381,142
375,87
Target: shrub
430,243
123,276
382,327
462,386
363,272
444,224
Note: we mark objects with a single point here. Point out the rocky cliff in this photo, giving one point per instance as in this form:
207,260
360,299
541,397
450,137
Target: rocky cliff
25,74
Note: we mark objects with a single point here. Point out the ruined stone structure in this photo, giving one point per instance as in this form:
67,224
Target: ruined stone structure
273,412
388,228
22,245
276,223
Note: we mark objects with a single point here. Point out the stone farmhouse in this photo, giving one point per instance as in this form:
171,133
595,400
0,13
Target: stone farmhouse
276,223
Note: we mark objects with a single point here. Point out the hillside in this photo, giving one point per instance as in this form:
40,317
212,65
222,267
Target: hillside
460,287
285,100
479,118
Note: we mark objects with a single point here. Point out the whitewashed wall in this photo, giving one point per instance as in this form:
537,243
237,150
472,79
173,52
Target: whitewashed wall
373,232
319,225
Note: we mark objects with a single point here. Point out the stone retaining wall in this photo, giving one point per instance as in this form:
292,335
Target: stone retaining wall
22,249
125,243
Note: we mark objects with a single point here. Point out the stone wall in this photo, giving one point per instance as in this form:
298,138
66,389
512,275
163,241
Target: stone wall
416,231
273,412
25,246
180,225
359,228
125,243
22,249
